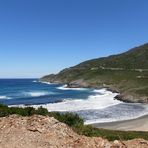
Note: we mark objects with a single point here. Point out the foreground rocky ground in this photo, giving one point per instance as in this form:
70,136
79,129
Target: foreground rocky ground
46,132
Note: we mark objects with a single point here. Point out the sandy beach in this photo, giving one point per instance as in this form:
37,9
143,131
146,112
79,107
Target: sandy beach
139,124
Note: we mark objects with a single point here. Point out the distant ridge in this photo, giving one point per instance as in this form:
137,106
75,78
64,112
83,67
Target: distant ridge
134,58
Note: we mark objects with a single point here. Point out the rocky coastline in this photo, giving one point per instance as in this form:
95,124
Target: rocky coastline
122,96
125,73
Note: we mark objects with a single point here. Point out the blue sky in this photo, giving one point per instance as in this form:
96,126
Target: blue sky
39,37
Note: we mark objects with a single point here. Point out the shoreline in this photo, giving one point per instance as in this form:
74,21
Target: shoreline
138,124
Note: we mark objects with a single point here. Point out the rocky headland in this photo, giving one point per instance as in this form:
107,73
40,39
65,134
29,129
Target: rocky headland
126,73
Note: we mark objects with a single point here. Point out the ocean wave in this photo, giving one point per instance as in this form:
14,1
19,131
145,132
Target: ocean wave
45,82
38,94
128,116
103,91
119,117
64,87
96,101
98,108
4,97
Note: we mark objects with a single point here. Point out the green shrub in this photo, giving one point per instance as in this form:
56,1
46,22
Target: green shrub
28,111
71,119
41,111
4,110
68,118
75,122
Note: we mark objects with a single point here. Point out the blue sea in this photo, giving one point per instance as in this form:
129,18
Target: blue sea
94,106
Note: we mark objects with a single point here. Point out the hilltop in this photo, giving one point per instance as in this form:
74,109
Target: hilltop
126,73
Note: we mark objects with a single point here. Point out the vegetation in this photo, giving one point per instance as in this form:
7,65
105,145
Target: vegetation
75,122
126,73
134,58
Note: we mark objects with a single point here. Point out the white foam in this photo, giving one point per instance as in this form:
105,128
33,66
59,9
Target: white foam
93,121
123,118
4,97
64,87
93,102
35,81
103,91
38,94
45,82
101,120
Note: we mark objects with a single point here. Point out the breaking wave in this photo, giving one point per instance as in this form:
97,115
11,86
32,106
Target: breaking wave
38,94
4,97
96,101
64,87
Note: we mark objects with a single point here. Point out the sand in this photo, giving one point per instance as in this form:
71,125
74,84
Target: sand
139,124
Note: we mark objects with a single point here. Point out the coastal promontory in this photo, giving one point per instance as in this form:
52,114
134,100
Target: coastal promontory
126,73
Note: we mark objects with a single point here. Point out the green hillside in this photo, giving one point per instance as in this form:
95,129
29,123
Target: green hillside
126,73
134,58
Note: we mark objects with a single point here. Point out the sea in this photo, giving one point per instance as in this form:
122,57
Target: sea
93,105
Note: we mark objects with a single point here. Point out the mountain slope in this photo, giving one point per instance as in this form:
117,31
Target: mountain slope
129,60
126,73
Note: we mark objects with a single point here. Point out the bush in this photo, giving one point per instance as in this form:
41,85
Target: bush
28,111
70,119
4,110
75,122
41,111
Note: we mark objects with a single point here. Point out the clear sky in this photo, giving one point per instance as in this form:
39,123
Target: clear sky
39,37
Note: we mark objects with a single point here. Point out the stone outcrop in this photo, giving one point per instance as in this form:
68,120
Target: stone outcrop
131,98
46,132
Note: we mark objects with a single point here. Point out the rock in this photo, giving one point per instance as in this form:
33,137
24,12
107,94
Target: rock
136,143
131,99
78,84
44,132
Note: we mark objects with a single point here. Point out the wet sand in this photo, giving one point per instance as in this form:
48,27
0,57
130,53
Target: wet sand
139,124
